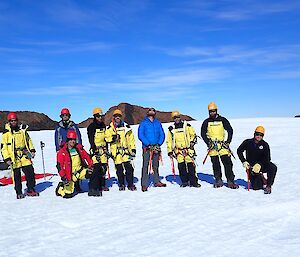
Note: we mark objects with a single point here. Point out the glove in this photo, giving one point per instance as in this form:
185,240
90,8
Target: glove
225,145
64,180
192,144
156,148
256,168
116,138
133,153
9,162
210,144
246,165
32,154
171,154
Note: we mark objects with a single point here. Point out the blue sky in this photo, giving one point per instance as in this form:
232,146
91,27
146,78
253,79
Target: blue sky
172,55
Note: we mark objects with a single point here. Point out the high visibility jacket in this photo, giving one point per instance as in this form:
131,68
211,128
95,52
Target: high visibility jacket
121,149
96,135
14,145
61,131
151,132
64,161
179,140
215,130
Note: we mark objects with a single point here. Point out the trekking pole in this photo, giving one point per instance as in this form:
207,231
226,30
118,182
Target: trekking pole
173,168
42,144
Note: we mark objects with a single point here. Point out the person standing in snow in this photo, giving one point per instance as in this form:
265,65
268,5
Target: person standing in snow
258,161
74,164
17,151
98,150
62,128
121,141
213,132
152,136
181,140
61,131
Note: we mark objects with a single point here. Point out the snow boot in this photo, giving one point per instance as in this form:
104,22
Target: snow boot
77,187
144,188
232,185
132,188
32,193
20,196
185,184
196,185
94,192
218,183
160,184
122,188
268,190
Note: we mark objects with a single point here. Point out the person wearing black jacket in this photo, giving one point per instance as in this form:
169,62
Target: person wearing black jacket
98,150
213,133
258,161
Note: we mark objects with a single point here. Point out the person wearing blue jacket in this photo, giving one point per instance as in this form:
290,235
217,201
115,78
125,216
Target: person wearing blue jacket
61,131
152,136
62,128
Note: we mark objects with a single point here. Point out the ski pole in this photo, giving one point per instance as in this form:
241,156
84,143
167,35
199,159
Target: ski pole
42,144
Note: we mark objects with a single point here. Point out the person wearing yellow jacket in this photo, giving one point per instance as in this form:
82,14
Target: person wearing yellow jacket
213,131
17,151
181,140
121,141
98,150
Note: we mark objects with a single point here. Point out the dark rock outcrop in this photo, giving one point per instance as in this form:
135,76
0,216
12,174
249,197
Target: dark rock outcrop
133,114
35,120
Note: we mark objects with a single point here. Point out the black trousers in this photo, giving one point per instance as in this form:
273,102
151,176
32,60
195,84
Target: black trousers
187,173
227,163
257,180
97,179
129,173
30,179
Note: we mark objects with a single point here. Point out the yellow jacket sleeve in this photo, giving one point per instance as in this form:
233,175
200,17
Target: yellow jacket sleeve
169,142
4,147
192,134
109,132
130,140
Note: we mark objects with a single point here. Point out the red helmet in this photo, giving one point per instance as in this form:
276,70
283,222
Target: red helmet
12,115
71,134
65,111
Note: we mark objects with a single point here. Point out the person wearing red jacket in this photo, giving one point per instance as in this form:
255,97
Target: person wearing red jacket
73,164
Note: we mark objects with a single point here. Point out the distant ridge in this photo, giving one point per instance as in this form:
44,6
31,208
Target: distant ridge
133,114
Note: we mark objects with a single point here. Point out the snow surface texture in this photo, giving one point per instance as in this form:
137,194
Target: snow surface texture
169,221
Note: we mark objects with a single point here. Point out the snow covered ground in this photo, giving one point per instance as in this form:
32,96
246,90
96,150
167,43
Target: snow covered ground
169,221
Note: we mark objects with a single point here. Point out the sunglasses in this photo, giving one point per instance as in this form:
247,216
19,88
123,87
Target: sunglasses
258,134
71,139
176,117
117,116
212,111
98,115
62,115
13,121
151,110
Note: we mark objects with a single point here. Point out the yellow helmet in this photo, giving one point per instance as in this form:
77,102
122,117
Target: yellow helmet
260,129
175,113
117,112
97,110
212,106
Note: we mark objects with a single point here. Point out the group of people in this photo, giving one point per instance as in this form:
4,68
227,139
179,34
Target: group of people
117,141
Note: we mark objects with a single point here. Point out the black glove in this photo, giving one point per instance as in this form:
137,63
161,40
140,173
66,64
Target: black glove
133,153
156,148
171,154
65,180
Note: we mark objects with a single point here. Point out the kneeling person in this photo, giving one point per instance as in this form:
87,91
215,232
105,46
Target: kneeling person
73,164
258,161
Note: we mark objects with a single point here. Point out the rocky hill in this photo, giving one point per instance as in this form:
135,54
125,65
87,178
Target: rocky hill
35,120
133,114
